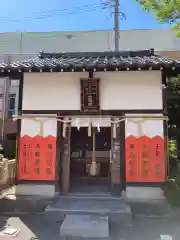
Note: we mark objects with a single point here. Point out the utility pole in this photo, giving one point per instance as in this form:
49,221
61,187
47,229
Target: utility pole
116,25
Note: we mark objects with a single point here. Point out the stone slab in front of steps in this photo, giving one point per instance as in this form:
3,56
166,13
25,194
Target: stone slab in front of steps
85,227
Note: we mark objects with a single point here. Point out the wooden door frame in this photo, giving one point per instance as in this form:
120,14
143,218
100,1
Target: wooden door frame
65,161
122,126
118,187
65,170
58,156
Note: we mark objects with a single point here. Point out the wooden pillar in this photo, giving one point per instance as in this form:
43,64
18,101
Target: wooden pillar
115,162
59,148
66,161
122,155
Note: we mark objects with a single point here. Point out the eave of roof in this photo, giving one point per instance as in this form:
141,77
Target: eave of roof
93,61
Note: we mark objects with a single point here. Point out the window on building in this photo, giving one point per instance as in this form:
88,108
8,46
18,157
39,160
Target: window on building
14,82
11,104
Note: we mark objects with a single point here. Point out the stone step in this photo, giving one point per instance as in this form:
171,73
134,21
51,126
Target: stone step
92,196
89,205
111,207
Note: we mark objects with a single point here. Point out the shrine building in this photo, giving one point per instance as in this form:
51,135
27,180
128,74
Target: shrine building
91,122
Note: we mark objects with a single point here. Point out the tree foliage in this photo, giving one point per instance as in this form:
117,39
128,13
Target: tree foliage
165,11
173,93
173,103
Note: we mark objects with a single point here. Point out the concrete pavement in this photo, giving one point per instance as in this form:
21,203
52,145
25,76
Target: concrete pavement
37,227
150,221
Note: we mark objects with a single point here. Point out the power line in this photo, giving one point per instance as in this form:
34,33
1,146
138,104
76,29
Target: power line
57,10
47,15
77,10
53,11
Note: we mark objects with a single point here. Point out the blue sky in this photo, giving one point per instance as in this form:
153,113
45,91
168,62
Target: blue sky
70,15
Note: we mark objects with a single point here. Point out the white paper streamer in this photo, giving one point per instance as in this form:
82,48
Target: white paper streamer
77,123
64,130
114,130
89,130
98,128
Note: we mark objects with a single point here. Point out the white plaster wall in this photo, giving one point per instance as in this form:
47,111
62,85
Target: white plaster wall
52,91
31,128
118,90
150,128
130,90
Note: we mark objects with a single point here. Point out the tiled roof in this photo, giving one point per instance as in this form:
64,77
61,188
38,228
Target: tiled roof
93,61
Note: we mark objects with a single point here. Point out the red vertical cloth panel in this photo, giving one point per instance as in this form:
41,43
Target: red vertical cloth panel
49,148
131,146
37,158
38,172
144,162
158,167
25,158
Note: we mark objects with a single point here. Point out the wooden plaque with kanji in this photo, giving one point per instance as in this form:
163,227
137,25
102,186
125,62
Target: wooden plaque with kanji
90,94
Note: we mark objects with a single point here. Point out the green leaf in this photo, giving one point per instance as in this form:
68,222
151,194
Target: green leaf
165,11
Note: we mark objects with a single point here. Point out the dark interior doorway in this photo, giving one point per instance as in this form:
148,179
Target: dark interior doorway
82,149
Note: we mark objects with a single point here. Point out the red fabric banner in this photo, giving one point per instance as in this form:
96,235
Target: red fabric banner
131,159
49,146
37,157
158,160
25,160
144,161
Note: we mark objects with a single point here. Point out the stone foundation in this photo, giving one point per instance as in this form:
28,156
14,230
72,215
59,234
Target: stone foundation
38,190
144,193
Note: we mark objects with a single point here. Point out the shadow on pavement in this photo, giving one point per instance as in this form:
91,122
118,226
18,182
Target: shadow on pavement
20,205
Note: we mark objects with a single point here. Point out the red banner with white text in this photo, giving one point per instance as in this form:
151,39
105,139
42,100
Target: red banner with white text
37,157
131,159
147,157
